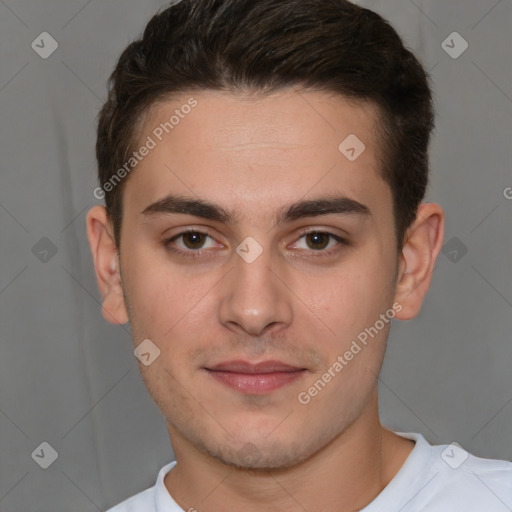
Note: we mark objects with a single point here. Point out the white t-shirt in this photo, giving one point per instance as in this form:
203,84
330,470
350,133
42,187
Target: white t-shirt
433,479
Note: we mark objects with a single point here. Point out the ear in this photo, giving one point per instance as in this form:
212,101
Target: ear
422,244
106,264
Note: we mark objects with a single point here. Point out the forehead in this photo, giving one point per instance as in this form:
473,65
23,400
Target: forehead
284,117
248,151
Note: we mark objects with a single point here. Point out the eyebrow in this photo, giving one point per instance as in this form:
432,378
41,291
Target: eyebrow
339,204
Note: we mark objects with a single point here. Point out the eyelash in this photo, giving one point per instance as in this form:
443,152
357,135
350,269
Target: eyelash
191,253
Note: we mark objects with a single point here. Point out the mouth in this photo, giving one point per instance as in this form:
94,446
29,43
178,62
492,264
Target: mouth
255,379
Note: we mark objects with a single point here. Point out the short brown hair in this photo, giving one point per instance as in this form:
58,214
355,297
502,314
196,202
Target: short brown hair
264,46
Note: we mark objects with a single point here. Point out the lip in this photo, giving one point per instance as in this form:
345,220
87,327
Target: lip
240,366
255,379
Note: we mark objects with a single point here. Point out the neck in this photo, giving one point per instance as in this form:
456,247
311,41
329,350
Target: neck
345,475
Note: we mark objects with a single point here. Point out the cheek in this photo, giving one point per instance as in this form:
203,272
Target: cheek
165,303
352,297
152,291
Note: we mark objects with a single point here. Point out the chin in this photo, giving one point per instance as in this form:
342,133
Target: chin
260,455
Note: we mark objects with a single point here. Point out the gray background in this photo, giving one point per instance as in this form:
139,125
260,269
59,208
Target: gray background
69,378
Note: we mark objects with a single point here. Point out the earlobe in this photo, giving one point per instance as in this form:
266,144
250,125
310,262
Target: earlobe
421,247
105,255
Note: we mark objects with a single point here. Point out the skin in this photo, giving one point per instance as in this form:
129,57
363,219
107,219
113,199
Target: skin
294,303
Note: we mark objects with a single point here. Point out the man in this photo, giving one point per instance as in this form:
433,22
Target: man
263,165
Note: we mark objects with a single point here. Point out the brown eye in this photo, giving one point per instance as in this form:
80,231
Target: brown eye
193,239
191,244
317,240
320,243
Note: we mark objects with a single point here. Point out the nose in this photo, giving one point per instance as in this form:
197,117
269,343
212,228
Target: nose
254,298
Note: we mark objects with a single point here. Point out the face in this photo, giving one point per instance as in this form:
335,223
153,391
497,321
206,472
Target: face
276,248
